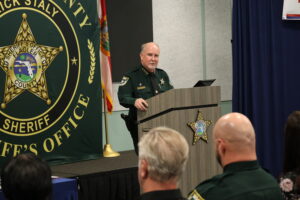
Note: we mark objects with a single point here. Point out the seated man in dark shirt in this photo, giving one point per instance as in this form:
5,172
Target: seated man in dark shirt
140,84
26,177
162,159
242,178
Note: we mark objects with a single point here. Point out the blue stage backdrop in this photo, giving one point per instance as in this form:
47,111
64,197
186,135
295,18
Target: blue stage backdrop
266,71
50,91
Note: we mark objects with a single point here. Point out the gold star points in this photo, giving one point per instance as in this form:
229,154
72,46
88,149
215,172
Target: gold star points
74,61
25,63
200,128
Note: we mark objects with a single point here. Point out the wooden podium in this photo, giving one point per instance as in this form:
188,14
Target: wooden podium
175,109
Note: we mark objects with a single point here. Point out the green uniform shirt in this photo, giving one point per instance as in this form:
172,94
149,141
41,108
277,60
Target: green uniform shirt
239,181
137,84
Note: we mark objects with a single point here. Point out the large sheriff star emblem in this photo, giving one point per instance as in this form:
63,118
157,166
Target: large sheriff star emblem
200,128
25,63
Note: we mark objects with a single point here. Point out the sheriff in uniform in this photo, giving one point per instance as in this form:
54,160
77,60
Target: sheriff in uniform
243,178
140,84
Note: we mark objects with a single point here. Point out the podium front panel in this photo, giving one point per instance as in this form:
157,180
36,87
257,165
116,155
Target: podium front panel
202,163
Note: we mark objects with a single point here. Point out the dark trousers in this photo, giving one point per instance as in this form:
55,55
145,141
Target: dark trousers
135,138
130,121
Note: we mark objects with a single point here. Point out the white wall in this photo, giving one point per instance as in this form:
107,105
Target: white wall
177,29
194,38
218,44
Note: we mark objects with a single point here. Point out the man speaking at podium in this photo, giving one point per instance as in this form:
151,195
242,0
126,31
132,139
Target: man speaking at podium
140,84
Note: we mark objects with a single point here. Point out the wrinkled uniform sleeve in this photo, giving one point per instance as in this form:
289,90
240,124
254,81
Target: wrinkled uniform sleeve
126,92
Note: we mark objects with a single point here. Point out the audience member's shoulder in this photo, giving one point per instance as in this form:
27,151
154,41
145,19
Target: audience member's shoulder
265,175
204,188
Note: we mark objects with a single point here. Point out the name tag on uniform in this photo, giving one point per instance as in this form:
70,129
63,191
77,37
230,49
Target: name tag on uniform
141,87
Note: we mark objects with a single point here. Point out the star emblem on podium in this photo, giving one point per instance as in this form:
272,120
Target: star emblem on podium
199,128
25,63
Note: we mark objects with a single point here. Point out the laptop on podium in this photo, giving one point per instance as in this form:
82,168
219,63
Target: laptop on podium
202,83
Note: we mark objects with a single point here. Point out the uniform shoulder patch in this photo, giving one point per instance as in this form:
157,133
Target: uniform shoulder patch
124,80
194,195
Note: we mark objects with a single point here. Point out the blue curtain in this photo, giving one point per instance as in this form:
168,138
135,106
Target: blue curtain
266,73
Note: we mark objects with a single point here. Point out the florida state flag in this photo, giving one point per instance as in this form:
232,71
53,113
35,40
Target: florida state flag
106,80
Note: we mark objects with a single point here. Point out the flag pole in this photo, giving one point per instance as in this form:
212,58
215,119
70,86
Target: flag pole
107,151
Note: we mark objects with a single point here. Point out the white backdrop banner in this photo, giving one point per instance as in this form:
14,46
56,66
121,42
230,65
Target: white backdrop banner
291,10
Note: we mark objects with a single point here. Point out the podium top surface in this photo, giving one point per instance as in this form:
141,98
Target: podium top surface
184,98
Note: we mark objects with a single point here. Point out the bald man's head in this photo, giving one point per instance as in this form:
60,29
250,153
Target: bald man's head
149,56
235,138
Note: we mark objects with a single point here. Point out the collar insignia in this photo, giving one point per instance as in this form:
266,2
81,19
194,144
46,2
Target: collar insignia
144,70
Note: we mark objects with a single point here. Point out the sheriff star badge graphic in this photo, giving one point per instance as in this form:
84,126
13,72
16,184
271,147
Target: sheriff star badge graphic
200,128
25,63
